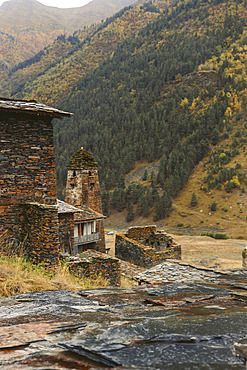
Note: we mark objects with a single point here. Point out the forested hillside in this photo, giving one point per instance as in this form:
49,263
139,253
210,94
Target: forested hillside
53,72
27,26
157,88
164,95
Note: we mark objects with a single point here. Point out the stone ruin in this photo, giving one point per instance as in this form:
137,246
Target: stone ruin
92,263
145,246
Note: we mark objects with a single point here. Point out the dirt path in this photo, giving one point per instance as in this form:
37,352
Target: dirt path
224,254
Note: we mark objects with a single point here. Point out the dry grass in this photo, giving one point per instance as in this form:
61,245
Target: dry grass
205,251
19,275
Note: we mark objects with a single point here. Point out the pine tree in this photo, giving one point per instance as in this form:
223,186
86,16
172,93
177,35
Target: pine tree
121,182
213,206
105,202
193,201
130,213
145,176
164,207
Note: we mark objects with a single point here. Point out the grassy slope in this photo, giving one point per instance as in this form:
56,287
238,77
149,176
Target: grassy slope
231,222
229,218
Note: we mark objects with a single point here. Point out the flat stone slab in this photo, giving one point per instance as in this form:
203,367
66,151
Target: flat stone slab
23,334
175,271
241,296
240,348
164,326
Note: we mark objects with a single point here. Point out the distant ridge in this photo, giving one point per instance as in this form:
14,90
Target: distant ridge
27,26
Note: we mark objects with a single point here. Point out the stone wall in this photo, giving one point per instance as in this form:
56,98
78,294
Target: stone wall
83,189
27,168
38,227
150,249
66,232
140,232
149,236
93,263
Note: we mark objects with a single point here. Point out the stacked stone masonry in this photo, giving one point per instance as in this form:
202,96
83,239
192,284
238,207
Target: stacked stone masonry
28,201
92,264
83,187
39,229
66,232
146,247
26,164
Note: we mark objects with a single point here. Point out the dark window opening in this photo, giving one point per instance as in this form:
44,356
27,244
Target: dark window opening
74,173
90,173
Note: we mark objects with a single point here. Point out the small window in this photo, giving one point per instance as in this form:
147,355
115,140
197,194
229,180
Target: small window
81,230
90,173
74,173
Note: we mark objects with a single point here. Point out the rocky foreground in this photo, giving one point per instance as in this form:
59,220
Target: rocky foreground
191,322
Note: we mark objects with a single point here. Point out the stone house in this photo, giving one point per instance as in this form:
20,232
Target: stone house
28,199
29,209
79,228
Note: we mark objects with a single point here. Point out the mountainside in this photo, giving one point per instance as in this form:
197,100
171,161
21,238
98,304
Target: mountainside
170,93
27,26
159,97
68,59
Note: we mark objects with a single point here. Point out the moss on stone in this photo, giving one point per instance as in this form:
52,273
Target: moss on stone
82,160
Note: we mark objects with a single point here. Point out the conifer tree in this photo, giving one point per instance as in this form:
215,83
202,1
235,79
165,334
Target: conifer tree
130,213
145,176
164,207
193,201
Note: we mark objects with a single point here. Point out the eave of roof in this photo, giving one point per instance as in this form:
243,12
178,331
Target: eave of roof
32,107
65,207
87,214
80,214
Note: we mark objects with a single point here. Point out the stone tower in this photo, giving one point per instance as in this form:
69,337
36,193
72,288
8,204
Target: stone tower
83,188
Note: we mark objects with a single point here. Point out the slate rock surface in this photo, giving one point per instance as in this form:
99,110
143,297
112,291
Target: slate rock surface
199,325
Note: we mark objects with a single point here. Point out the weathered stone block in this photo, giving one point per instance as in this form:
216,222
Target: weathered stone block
93,263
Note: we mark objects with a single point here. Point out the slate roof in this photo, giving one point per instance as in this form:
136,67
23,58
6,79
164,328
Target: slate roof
80,214
65,207
87,214
82,159
32,107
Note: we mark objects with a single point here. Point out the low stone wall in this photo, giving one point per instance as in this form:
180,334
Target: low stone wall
140,232
93,263
135,251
